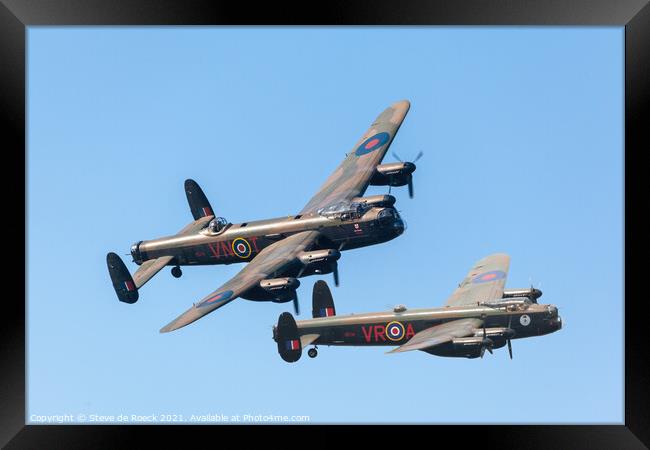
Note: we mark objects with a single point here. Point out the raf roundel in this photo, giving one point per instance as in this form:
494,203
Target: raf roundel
219,297
372,143
489,276
395,331
241,248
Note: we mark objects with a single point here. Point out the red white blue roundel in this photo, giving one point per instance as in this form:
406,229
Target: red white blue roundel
221,296
372,143
489,276
241,248
394,331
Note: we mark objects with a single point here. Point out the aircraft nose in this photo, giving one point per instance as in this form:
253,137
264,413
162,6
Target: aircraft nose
556,323
399,226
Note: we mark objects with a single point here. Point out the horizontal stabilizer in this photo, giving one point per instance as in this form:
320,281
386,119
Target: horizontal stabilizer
149,268
289,345
322,301
123,283
199,204
308,339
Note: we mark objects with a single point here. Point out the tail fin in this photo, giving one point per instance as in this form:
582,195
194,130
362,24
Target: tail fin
199,204
322,301
122,281
286,335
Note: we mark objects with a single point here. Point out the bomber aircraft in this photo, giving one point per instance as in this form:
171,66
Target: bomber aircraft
480,315
279,251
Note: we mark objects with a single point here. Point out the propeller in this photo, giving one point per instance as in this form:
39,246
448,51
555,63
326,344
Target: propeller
419,155
509,340
530,280
296,305
486,344
320,268
539,288
335,265
335,272
301,271
409,181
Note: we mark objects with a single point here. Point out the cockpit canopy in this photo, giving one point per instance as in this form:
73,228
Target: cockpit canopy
345,210
218,224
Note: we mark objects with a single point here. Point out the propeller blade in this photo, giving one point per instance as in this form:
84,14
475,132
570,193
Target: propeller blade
296,305
419,156
410,182
483,343
335,272
397,157
510,343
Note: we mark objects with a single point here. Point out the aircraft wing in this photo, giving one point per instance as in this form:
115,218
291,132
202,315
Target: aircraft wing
440,334
149,268
484,282
269,263
352,177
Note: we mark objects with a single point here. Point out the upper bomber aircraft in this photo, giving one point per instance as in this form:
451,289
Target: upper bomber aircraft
279,251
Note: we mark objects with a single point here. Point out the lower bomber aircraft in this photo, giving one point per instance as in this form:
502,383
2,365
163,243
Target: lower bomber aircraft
480,315
279,251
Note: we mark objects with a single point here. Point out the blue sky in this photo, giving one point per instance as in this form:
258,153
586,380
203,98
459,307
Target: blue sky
522,130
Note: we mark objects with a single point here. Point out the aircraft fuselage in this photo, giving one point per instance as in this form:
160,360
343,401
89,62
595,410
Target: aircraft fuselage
241,242
396,328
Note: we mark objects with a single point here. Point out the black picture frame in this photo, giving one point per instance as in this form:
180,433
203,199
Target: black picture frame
634,15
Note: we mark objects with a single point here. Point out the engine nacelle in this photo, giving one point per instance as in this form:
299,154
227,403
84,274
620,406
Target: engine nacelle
326,256
376,201
520,303
393,174
498,335
467,347
280,284
318,262
532,293
281,289
470,347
